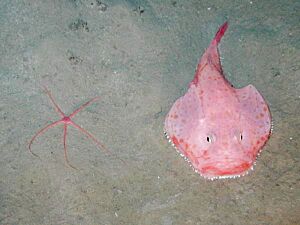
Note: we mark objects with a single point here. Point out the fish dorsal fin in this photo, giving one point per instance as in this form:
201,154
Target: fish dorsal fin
255,109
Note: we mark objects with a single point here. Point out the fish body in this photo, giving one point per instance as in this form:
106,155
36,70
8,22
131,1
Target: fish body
219,129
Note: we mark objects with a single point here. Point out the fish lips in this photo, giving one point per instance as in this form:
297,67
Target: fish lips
225,169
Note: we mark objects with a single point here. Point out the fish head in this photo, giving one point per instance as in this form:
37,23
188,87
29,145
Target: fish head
225,145
220,140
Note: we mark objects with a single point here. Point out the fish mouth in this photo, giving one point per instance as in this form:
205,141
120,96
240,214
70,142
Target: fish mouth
218,170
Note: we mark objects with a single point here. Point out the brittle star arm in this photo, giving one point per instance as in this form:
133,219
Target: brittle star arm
58,109
65,147
83,106
95,140
90,136
40,132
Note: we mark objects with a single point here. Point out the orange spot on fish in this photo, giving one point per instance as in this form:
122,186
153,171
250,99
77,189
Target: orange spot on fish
205,155
175,141
186,145
192,157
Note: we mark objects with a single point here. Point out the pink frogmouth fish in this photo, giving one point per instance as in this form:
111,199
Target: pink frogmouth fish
219,129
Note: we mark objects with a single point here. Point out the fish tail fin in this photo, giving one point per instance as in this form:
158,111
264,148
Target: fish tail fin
221,32
211,55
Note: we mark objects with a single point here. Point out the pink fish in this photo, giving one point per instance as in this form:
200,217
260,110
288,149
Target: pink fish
219,129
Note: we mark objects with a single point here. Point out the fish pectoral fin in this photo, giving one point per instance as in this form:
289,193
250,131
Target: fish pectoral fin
254,108
184,115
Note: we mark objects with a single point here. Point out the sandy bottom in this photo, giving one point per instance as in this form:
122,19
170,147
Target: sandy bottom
139,57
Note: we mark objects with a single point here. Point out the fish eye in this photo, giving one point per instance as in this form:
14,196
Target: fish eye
208,139
241,136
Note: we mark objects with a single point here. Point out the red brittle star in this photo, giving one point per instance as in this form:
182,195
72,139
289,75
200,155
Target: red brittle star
66,121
